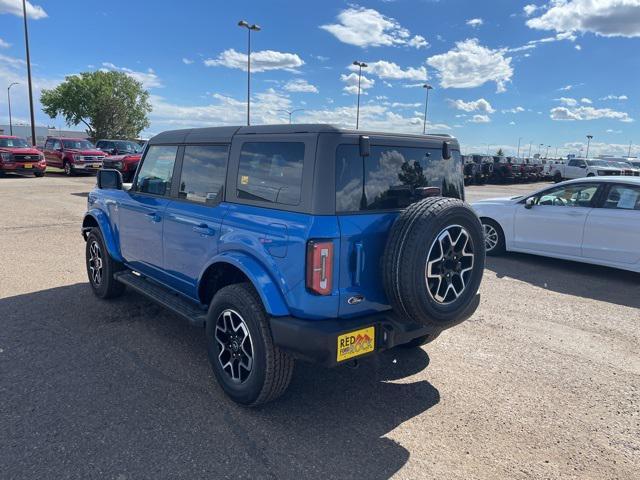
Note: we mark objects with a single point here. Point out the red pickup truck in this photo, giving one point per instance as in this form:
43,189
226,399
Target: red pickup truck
73,155
16,156
122,155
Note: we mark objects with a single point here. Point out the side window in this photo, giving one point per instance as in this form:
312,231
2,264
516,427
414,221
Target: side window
155,174
623,197
100,144
271,172
48,145
57,145
203,173
572,195
572,163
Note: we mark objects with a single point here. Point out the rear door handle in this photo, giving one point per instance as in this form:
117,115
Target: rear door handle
154,217
204,230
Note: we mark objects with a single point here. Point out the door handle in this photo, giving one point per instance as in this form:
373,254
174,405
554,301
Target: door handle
153,217
204,230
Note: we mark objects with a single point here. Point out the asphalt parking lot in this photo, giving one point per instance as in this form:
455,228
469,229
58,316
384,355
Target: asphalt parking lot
542,382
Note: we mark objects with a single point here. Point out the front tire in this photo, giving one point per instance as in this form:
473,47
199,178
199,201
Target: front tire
494,243
248,366
39,174
68,169
557,177
101,267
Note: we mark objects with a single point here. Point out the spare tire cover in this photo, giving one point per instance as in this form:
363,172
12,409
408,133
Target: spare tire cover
434,261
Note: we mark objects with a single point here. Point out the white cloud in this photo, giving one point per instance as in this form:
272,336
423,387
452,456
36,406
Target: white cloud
351,82
531,44
578,47
366,27
599,148
480,105
149,79
513,110
512,123
300,85
586,100
187,61
530,9
480,119
4,44
587,113
610,130
470,65
391,71
607,18
261,61
14,7
615,97
475,22
569,102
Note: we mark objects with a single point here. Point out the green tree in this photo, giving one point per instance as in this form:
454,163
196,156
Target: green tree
109,104
500,153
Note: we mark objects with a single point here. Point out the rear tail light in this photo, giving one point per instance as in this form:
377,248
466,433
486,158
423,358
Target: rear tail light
320,266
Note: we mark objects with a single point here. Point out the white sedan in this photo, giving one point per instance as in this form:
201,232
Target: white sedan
593,220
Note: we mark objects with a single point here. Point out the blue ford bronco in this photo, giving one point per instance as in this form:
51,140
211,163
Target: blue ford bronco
288,242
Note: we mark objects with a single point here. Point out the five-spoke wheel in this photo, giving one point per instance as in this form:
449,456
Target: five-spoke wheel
234,344
95,263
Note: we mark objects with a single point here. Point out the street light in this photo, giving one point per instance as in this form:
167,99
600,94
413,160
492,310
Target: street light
427,87
254,27
546,155
539,147
9,104
519,140
530,143
290,112
589,137
26,43
360,66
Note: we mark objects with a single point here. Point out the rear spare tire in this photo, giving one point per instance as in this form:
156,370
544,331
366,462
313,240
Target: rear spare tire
433,262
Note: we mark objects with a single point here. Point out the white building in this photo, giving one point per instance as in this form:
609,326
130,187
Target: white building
42,133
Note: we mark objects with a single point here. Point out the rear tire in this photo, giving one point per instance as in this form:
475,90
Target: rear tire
248,366
101,267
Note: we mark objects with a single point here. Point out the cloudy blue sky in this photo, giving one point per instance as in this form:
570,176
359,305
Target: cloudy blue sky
547,72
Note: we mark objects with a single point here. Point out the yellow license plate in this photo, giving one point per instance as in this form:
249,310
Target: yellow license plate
96,165
356,343
28,165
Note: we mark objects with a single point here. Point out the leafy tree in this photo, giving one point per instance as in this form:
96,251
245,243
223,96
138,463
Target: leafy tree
110,104
500,153
412,175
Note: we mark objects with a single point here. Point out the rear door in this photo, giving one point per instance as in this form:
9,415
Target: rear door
370,193
612,232
194,215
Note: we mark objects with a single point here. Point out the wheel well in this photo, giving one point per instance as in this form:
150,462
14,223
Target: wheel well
494,221
217,276
89,221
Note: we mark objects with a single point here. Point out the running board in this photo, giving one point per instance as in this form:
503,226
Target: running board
163,296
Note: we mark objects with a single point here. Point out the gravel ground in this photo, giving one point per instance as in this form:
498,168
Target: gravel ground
542,382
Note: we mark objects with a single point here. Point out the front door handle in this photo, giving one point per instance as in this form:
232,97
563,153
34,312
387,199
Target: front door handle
154,217
204,230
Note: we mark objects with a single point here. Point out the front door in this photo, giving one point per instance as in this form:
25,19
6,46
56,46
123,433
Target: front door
193,219
555,223
141,215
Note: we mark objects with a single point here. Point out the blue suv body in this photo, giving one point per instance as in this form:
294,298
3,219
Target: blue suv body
288,242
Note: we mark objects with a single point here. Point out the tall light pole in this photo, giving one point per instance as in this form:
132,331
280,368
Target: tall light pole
9,105
546,155
556,152
256,28
290,112
629,154
427,87
360,66
26,44
539,147
519,139
589,137
530,143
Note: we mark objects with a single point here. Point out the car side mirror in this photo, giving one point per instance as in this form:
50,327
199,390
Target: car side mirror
109,180
583,166
529,203
446,150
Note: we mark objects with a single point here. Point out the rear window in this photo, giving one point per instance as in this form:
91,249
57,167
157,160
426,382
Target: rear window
393,177
271,172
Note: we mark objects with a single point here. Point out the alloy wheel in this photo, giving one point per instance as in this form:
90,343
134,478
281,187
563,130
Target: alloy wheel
235,348
449,264
490,237
95,263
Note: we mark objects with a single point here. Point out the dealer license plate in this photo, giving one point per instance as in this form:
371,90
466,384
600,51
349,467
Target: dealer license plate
28,165
354,344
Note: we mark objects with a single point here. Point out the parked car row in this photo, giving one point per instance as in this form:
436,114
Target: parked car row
480,169
598,167
73,155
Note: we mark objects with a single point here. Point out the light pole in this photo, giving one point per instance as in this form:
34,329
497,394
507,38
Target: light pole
488,147
629,154
26,44
546,155
539,147
9,105
530,143
427,87
589,137
290,112
360,66
519,139
254,27
556,152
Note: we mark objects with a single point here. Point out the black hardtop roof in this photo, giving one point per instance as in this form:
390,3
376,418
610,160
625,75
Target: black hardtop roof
225,134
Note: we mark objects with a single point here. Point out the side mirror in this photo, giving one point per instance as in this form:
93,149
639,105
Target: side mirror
109,180
529,203
365,146
446,150
583,166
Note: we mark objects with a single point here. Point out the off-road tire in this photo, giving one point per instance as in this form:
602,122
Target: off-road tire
406,255
108,287
272,368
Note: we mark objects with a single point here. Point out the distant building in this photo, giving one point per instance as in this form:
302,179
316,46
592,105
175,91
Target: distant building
42,133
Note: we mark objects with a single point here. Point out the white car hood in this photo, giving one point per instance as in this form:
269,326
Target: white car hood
498,201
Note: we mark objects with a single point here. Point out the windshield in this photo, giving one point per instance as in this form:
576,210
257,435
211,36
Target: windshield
14,142
128,147
394,177
78,144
